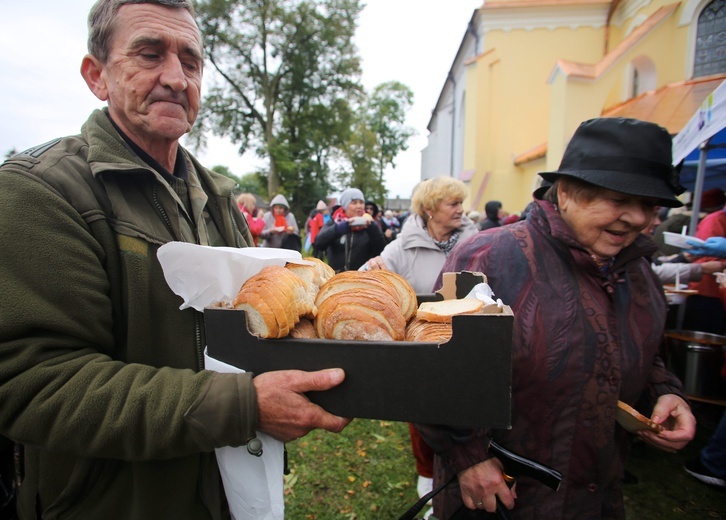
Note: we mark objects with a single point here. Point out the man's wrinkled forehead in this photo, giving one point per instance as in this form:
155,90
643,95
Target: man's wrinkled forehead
154,25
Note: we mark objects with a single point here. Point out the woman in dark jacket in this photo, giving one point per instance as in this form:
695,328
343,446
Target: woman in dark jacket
351,236
589,317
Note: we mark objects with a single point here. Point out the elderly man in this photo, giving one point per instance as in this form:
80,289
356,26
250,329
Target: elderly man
101,375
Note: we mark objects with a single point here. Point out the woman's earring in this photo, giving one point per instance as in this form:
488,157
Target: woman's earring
430,216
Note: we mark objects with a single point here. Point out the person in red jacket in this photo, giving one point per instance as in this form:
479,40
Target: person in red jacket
705,311
246,203
316,224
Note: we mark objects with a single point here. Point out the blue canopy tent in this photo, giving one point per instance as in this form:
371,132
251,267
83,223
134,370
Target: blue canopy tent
701,145
715,168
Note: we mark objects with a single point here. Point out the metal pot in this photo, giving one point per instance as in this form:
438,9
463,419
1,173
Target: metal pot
696,358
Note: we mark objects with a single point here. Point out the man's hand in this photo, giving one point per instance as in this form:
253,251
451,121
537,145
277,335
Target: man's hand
675,415
287,414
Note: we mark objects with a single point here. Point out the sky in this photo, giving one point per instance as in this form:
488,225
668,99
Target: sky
42,94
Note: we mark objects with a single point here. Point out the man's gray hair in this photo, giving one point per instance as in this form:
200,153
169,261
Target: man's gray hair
101,21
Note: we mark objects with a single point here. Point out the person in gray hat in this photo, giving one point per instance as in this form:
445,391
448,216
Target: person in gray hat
351,236
589,316
279,223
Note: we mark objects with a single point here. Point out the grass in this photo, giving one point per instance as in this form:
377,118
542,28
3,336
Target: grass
368,472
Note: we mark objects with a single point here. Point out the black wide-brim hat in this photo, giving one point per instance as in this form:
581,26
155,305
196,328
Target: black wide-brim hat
625,155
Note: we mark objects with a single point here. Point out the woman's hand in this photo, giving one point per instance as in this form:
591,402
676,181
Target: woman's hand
675,415
374,263
482,484
714,266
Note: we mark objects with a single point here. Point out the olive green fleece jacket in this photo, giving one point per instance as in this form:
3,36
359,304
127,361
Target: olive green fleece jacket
101,374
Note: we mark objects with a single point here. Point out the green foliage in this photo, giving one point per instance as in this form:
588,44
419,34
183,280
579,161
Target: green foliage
387,110
224,170
254,183
250,183
284,66
379,135
287,86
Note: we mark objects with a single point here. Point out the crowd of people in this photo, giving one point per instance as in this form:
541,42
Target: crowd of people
574,207
108,396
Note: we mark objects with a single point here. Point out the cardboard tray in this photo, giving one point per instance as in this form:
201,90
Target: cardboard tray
464,382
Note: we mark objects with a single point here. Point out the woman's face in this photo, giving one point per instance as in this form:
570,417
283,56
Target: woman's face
278,210
448,214
355,209
609,222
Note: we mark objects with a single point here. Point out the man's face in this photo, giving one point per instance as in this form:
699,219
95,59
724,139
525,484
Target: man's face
153,75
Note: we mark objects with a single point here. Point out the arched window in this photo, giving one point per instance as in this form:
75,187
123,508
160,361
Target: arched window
642,77
710,57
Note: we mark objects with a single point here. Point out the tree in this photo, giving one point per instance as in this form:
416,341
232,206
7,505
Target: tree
224,170
387,110
380,135
289,70
249,183
254,183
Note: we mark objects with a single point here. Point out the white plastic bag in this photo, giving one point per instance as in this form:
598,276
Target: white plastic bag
253,485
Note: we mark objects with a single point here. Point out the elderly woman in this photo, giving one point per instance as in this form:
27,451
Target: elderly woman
589,315
436,225
351,236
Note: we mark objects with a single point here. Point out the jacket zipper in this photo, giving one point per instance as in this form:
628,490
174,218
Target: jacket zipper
348,250
161,210
198,316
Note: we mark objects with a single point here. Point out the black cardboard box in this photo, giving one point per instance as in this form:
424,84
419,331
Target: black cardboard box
464,382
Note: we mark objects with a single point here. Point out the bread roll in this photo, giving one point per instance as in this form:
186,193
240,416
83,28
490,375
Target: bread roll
304,302
354,281
304,330
422,330
442,311
277,298
309,275
274,299
260,319
326,272
379,318
356,305
406,293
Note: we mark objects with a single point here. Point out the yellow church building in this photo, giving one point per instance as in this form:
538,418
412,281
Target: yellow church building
527,73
